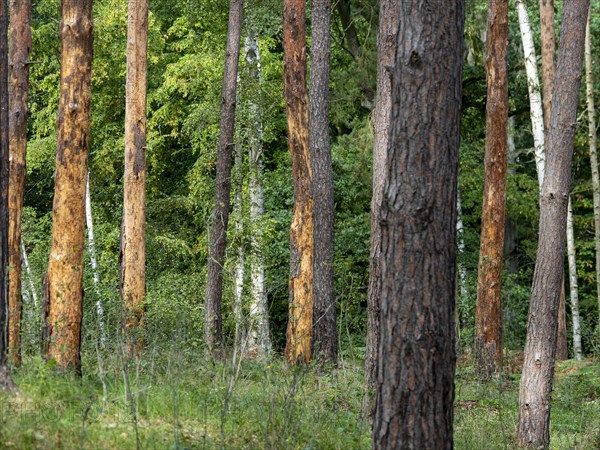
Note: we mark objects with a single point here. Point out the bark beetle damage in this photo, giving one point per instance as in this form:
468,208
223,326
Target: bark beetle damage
139,143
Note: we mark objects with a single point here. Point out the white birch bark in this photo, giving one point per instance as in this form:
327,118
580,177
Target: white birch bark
460,231
241,250
593,148
535,96
573,285
94,261
259,312
32,290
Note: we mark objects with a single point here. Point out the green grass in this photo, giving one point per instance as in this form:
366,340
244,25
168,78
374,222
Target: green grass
181,401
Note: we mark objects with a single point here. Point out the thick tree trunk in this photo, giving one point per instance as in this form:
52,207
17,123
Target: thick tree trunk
350,35
593,140
540,346
535,97
299,330
325,339
133,229
5,380
65,268
386,48
418,240
573,286
20,46
259,310
89,220
213,332
488,318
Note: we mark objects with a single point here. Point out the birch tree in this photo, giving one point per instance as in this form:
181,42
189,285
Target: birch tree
577,350
65,267
593,140
19,49
540,345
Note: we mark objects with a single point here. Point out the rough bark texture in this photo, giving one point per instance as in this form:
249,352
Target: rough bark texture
488,317
4,174
299,330
20,46
259,309
213,332
540,345
562,349
325,339
133,229
65,268
418,218
548,38
386,47
577,352
350,35
593,140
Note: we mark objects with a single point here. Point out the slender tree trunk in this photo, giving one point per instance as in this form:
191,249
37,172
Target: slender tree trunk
5,378
418,240
350,35
325,345
535,97
89,220
389,15
213,332
34,295
65,268
20,46
573,286
540,346
133,229
593,140
241,248
548,38
299,330
511,231
259,310
562,349
488,318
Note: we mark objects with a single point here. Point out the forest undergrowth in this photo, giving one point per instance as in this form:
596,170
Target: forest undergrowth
179,400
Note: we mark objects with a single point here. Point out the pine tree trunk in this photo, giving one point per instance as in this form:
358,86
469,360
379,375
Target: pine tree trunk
386,47
299,330
5,379
325,339
133,229
540,345
573,286
259,310
535,97
65,268
488,318
89,220
350,35
213,332
417,358
20,46
548,38
593,140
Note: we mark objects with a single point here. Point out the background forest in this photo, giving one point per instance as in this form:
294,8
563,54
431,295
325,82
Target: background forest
185,74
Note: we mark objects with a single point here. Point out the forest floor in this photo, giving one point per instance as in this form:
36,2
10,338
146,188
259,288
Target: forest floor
184,402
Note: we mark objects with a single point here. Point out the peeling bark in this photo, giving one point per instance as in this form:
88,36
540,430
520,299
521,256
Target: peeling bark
133,228
300,323
488,316
20,47
65,267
